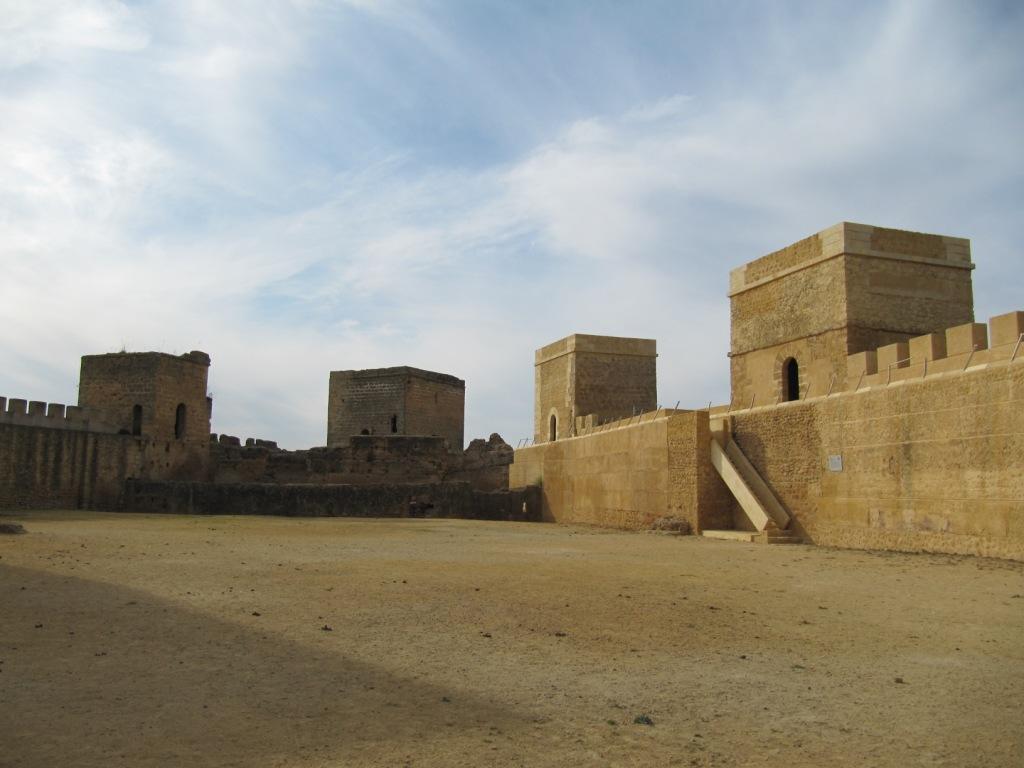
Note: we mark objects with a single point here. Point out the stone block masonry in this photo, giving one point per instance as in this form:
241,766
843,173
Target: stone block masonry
150,394
395,401
844,290
603,377
44,468
628,474
931,464
456,500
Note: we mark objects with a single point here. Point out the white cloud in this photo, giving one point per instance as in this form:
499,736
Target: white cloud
30,31
189,213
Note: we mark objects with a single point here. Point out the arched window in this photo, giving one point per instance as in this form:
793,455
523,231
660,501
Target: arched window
394,424
365,432
553,428
790,380
179,421
136,420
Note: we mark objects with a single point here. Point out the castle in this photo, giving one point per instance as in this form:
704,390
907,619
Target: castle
867,410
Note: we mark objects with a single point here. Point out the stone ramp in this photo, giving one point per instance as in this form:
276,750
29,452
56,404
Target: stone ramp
764,512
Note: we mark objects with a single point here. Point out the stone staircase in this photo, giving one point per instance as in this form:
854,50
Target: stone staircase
765,519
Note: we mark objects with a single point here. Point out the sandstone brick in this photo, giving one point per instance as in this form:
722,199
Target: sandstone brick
930,346
965,338
862,363
893,356
1006,329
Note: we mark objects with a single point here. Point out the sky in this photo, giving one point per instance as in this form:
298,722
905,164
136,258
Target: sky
300,186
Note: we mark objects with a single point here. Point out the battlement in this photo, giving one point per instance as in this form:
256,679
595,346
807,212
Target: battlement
36,413
848,238
962,347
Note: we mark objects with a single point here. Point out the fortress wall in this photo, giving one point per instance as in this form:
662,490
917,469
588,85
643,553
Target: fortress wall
931,464
947,350
36,413
626,474
616,477
455,500
365,460
47,468
696,491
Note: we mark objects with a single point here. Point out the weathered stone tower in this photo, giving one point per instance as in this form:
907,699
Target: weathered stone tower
150,394
607,377
797,313
395,401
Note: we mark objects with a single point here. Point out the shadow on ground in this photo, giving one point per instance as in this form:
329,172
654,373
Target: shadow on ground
115,676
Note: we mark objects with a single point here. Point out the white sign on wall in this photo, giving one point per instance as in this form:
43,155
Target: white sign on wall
835,463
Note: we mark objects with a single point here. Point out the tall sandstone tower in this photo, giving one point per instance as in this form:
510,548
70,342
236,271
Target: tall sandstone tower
797,313
607,377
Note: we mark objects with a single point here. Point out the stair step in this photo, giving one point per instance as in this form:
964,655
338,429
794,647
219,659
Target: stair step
731,535
754,537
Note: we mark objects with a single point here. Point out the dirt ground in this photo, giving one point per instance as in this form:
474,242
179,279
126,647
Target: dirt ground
132,640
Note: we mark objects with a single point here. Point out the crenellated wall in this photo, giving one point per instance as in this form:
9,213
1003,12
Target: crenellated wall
953,349
36,413
932,464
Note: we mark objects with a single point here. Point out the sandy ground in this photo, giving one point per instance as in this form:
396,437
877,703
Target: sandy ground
131,640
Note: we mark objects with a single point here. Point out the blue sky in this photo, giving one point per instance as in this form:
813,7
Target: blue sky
299,186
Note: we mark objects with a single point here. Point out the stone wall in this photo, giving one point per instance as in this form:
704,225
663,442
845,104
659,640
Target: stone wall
436,406
399,401
627,474
929,464
47,468
36,413
455,500
364,460
484,464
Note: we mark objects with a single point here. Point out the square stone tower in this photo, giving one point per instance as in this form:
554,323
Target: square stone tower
395,401
608,377
797,313
150,394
